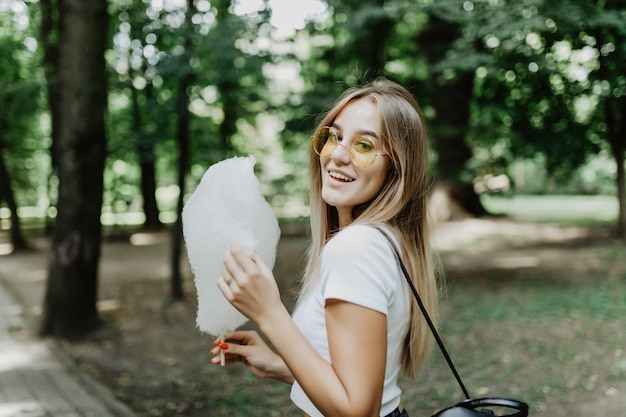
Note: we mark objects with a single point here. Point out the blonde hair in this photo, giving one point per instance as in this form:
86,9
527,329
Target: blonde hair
401,204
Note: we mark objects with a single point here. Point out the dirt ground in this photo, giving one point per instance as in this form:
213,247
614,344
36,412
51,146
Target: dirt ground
151,356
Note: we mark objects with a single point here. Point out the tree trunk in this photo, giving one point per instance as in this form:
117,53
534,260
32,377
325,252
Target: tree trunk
371,38
451,98
616,124
71,294
614,109
621,195
183,135
148,190
6,194
611,70
452,103
145,152
228,81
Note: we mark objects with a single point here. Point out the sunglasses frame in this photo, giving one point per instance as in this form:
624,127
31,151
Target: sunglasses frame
353,153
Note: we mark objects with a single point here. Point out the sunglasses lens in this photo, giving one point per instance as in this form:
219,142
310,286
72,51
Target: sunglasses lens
325,141
363,151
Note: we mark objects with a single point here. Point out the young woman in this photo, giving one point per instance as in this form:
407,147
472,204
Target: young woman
356,325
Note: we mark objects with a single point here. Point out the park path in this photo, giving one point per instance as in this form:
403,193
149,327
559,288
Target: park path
36,378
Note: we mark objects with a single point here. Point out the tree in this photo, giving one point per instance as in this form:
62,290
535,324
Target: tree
509,63
555,85
450,92
607,29
19,105
71,294
183,139
408,44
140,127
347,52
147,162
6,194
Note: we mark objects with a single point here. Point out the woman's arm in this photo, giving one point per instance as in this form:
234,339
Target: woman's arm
352,385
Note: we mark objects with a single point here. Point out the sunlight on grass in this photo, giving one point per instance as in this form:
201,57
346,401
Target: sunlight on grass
537,354
547,331
532,311
559,209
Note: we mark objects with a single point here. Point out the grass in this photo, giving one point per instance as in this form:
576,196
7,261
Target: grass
549,334
549,331
560,209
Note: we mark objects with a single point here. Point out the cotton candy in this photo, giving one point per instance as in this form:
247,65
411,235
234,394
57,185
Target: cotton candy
226,207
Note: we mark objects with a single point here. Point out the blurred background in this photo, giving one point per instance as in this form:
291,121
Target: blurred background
111,112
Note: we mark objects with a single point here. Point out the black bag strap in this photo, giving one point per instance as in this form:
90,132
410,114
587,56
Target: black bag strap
425,313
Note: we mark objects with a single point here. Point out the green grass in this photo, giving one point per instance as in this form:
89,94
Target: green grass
546,334
541,343
560,209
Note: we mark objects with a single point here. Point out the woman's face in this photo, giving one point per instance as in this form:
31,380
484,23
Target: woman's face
345,185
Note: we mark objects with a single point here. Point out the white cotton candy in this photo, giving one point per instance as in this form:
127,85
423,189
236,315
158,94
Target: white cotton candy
227,207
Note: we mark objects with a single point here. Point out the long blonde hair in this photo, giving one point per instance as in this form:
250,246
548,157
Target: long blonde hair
401,204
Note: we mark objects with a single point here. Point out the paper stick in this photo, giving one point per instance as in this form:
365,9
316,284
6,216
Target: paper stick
222,353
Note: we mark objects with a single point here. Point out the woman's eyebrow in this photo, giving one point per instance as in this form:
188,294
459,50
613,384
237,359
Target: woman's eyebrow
369,133
361,131
335,125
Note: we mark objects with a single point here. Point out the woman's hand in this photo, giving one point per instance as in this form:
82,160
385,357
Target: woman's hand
249,285
249,348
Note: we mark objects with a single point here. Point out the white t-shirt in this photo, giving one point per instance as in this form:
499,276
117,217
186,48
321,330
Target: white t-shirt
358,266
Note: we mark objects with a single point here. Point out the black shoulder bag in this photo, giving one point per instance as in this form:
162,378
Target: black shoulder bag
470,407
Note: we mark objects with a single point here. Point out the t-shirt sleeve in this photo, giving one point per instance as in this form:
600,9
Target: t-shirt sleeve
358,266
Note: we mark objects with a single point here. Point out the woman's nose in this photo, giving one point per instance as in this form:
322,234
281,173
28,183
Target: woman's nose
341,154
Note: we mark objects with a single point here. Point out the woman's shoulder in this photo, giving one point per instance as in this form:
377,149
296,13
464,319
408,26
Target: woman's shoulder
357,232
358,263
355,236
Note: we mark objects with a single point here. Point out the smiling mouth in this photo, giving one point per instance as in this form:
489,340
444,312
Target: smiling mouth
340,177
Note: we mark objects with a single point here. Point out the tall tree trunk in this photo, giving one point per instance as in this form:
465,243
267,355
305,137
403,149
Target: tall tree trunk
228,81
7,195
451,98
145,152
370,43
452,102
616,123
614,108
71,293
183,136
148,189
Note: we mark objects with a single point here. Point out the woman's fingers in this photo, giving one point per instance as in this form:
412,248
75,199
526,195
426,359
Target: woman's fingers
224,284
260,263
238,262
239,267
248,283
233,347
230,356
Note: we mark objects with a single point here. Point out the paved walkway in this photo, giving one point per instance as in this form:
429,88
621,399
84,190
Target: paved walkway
38,380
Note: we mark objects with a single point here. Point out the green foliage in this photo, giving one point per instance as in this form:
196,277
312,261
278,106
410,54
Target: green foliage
21,100
545,84
149,59
530,95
